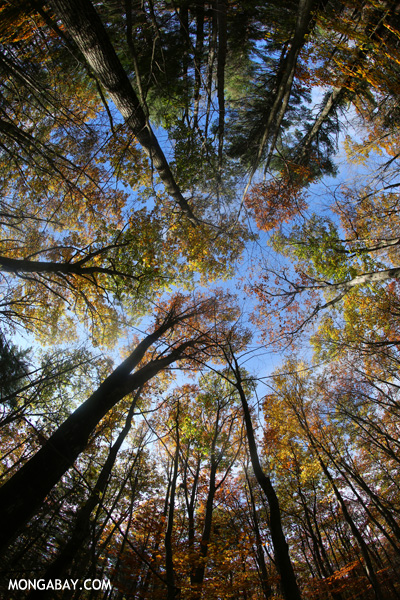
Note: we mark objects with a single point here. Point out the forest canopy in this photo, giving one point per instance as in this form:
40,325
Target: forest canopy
200,299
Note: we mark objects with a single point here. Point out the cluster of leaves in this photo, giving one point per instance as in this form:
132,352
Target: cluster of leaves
277,201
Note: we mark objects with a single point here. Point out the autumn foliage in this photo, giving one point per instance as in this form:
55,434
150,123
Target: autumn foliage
199,390
276,201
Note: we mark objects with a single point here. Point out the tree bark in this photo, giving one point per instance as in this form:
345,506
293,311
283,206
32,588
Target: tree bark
284,84
83,24
212,45
343,287
371,277
331,103
198,59
190,500
284,565
369,569
21,495
172,591
22,265
263,572
197,578
222,47
80,531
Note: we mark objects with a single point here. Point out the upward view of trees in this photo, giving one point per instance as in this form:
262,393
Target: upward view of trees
200,300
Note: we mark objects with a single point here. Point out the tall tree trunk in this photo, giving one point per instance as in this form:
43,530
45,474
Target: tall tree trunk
132,50
197,578
316,446
349,476
190,504
198,59
81,529
21,495
284,85
183,16
369,569
212,46
334,98
222,46
143,589
22,265
266,588
284,565
83,24
172,591
320,557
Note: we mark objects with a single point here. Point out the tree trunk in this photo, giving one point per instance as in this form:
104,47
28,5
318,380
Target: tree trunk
21,265
222,47
172,591
81,529
21,495
369,569
284,565
198,59
264,579
354,529
331,103
212,45
190,504
83,24
197,578
284,83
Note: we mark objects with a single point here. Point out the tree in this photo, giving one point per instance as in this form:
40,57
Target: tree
59,453
14,369
284,565
130,134
86,29
325,438
330,275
